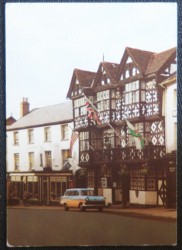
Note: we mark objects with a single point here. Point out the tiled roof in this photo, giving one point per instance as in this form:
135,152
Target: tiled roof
85,78
141,57
59,113
111,68
158,60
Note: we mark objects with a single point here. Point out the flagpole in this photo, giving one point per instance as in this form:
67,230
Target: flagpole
99,112
75,132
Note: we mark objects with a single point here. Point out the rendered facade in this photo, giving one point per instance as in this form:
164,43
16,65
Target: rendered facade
38,153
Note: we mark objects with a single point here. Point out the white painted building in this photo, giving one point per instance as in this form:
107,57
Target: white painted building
169,106
170,112
39,143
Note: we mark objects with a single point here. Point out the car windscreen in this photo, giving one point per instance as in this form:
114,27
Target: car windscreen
87,192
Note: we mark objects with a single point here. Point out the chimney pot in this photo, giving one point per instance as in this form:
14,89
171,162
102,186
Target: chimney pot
24,107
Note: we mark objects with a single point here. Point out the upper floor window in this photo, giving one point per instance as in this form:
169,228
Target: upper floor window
16,161
103,99
65,155
31,160
64,132
30,136
48,158
108,138
84,141
47,134
132,92
16,138
80,107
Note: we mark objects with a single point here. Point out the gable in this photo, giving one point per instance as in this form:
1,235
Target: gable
160,61
128,67
80,79
106,74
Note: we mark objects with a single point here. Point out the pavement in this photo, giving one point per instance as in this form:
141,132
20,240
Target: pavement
159,213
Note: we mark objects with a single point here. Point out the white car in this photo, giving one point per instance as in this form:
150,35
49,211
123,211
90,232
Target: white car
82,198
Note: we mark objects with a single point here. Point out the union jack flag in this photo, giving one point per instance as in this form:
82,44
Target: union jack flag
92,114
74,137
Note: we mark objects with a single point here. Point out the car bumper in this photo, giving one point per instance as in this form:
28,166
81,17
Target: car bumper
93,206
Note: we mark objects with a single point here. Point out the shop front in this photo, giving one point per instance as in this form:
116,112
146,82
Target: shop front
42,188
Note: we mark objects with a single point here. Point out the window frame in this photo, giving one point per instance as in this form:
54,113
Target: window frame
64,132
30,136
16,161
16,138
47,134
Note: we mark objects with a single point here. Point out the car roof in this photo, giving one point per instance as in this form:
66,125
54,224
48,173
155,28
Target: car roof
79,189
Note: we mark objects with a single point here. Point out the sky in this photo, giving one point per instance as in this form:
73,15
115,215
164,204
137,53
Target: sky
45,42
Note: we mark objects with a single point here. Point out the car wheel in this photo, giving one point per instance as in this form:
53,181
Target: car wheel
100,209
66,208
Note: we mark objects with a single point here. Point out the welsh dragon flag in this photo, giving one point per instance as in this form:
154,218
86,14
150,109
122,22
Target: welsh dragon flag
139,141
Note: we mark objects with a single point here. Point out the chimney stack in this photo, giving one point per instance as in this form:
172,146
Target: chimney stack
24,107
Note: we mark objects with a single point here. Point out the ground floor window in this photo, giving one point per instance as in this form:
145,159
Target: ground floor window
140,180
91,178
15,187
58,186
32,187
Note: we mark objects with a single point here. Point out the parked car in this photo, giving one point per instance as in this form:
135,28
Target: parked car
82,198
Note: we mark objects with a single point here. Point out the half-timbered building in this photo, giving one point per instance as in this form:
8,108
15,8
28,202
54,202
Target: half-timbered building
117,94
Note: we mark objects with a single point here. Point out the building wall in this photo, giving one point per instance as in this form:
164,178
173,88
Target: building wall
171,117
56,145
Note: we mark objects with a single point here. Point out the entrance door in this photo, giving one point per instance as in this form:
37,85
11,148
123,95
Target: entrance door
125,189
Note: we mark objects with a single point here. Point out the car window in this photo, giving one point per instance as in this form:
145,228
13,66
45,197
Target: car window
87,192
66,193
76,193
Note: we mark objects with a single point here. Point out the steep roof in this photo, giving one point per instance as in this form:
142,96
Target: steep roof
111,68
159,59
84,77
140,57
54,114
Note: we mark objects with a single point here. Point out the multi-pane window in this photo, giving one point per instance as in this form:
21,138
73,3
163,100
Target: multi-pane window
91,178
137,180
64,132
103,100
30,136
31,160
16,161
108,138
32,187
47,134
132,94
16,138
48,158
84,141
57,187
80,107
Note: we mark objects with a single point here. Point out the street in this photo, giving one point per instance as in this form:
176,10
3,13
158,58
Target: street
30,227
